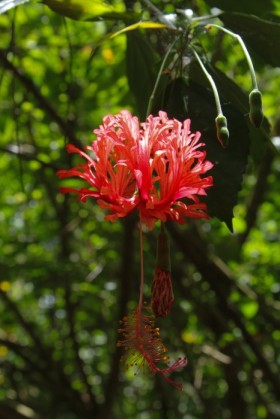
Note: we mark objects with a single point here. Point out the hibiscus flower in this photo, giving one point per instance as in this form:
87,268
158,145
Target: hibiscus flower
156,167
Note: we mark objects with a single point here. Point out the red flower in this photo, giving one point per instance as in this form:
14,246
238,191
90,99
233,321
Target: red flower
157,168
151,166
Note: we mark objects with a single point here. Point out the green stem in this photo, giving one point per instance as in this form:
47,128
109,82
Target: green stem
152,97
211,81
244,49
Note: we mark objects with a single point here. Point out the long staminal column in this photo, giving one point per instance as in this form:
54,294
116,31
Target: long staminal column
144,349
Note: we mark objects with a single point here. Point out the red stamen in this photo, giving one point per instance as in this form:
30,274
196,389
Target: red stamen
144,347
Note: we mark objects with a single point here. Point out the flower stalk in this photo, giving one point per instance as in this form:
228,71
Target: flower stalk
255,96
162,296
221,121
244,49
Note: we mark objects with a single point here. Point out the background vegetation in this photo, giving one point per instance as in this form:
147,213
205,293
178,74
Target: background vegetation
67,277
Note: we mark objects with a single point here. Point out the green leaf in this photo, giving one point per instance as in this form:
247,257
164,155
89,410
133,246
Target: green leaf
261,36
140,61
6,5
197,103
87,10
140,25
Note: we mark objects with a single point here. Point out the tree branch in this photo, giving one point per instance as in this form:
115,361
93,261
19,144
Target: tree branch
42,101
27,156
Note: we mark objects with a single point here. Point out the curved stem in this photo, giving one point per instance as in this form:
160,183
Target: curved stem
244,49
211,81
152,97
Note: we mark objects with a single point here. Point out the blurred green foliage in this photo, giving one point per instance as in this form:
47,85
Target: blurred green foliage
67,277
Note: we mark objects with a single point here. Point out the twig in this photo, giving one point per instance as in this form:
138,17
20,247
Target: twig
28,157
160,16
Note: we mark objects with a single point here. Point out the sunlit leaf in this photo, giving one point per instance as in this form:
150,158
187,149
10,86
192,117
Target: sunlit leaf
140,25
86,10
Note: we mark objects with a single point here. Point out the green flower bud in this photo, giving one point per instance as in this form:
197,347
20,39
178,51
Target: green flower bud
255,102
222,130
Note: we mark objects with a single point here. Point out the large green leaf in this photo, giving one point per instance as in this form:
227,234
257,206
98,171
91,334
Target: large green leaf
140,61
87,10
197,103
261,36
